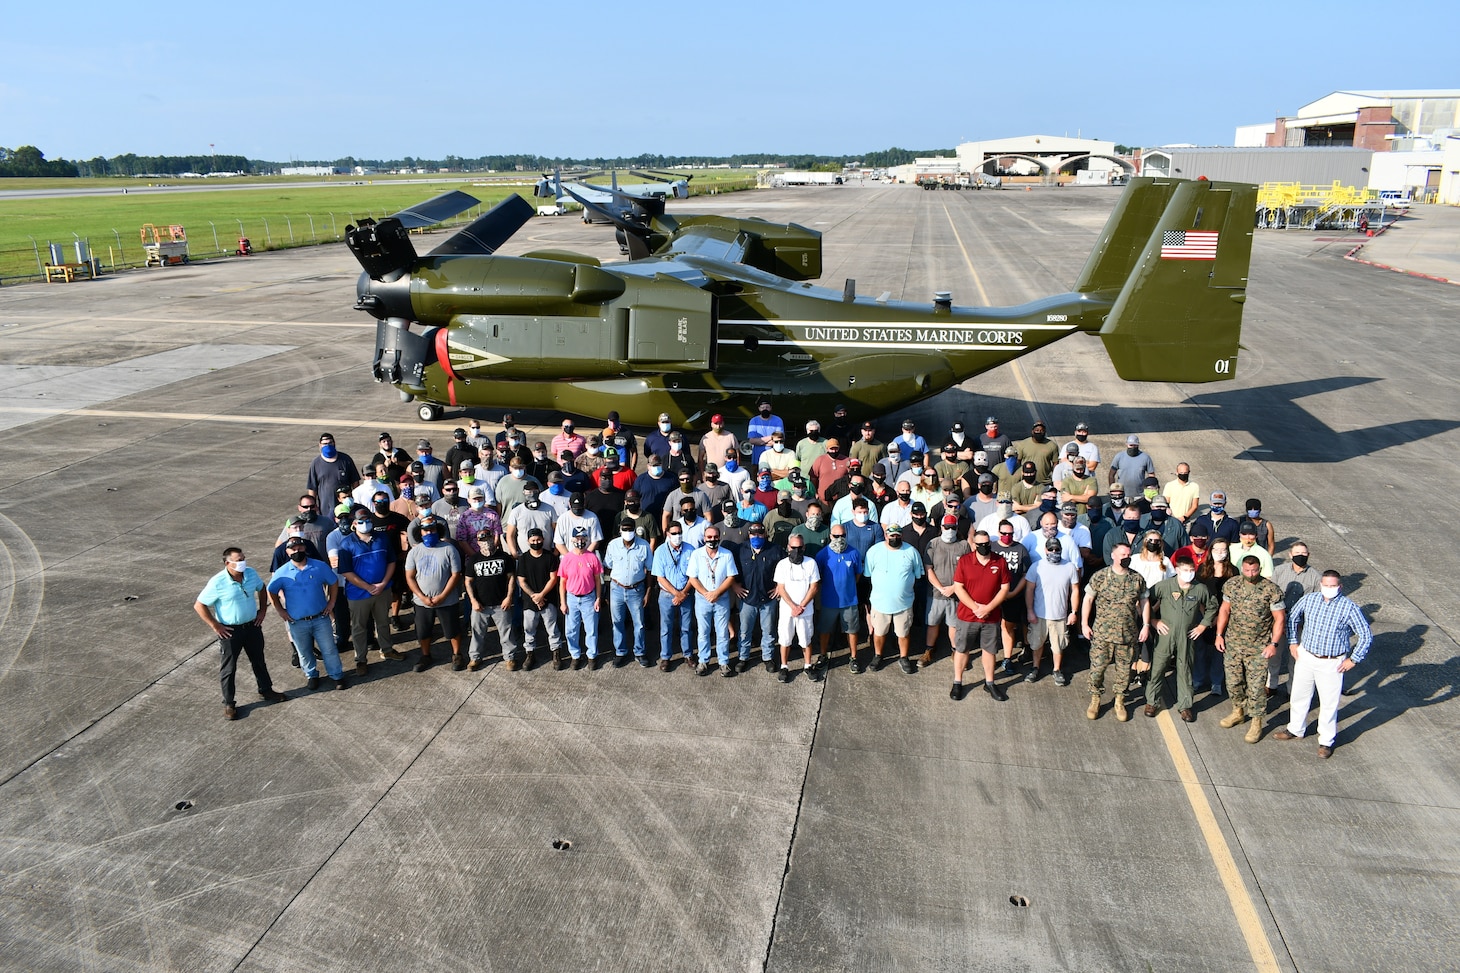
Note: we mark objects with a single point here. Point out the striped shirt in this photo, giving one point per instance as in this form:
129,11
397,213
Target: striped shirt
1327,627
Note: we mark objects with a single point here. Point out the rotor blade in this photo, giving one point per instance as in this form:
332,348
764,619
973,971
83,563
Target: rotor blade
432,211
490,230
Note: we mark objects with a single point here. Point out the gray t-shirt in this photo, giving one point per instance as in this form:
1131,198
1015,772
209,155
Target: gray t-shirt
434,566
943,559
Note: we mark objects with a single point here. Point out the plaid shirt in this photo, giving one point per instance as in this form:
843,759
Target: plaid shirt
1327,627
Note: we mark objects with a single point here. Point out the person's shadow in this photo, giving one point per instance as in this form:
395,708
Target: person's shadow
1386,686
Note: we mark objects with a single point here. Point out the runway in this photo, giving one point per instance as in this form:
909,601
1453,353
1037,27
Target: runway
630,819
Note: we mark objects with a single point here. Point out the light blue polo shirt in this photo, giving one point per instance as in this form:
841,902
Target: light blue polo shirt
893,573
233,602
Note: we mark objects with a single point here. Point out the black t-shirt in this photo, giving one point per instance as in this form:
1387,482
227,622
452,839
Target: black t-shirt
490,578
1016,556
534,571
606,507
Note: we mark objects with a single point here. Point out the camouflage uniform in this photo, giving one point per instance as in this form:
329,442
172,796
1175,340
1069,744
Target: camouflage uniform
1116,602
1249,630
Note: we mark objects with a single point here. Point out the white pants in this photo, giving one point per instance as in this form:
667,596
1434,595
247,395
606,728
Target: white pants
1310,672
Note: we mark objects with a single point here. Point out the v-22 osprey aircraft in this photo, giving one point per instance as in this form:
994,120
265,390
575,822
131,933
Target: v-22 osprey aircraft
710,313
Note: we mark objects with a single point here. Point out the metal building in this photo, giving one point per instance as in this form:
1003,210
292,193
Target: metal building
1309,165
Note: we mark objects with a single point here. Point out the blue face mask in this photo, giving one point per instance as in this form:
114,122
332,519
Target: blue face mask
756,543
556,489
731,466
431,539
408,492
327,451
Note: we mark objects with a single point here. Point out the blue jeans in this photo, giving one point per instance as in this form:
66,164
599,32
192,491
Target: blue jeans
713,618
673,617
1208,668
582,616
627,603
309,634
767,615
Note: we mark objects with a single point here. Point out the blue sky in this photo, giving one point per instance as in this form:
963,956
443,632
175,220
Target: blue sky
375,80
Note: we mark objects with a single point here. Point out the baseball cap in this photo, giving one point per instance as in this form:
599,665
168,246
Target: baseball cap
1248,528
1200,529
946,484
296,520
991,421
1133,440
1052,544
957,427
892,529
467,464
1003,497
294,542
908,424
1010,451
1037,424
580,531
868,425
1072,450
717,418
1070,507
458,433
918,508
950,520
384,436
663,417
757,528
535,532
711,468
610,453
855,463
423,444
893,449
727,505
1082,427
476,491
1029,466
1160,503
987,478
1219,496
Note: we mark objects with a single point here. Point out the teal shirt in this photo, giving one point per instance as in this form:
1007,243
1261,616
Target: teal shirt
233,602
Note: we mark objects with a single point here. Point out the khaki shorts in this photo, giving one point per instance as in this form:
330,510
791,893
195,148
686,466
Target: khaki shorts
900,623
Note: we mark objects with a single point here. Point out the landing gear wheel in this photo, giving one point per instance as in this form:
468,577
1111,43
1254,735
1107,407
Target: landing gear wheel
429,412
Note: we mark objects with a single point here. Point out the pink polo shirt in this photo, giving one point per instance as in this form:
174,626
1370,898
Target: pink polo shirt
580,572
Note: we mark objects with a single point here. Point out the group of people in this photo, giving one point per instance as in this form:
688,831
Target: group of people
764,548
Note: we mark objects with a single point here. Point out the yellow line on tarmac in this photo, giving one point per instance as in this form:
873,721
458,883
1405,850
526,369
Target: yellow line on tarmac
983,296
1246,913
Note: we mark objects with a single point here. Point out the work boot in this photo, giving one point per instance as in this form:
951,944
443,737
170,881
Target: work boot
1121,713
1094,711
1254,732
558,662
1233,718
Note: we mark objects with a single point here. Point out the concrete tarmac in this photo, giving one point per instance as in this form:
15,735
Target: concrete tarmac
630,819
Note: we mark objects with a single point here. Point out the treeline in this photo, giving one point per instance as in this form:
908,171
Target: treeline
30,161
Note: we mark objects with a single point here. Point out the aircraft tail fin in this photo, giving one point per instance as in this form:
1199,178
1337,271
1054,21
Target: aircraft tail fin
1178,253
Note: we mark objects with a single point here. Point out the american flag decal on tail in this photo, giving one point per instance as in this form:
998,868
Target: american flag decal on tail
1189,245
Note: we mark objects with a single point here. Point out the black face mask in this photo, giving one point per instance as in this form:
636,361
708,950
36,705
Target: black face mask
576,506
1300,560
535,545
299,556
1133,450
1158,516
856,489
382,506
1048,506
784,506
894,541
1028,477
795,555
984,548
1153,545
309,516
1125,561
1183,477
632,506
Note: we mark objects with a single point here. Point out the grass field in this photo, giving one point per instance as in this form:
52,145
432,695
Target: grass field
272,218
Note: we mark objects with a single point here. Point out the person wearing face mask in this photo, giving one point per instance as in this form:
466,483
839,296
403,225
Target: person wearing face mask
367,561
678,459
992,441
580,598
433,471
1040,450
1018,558
613,471
476,518
618,438
1150,490
981,585
1149,559
691,522
1183,493
294,530
657,442
1052,603
840,566
1077,487
1131,467
434,573
1296,579
233,604
815,530
1197,546
892,569
532,513
492,590
1213,571
330,470
467,478
1182,609
710,496
919,534
982,500
940,560
1328,635
812,447
405,504
376,479
626,564
1118,598
461,451
645,524
858,489
396,460
963,445
676,595
829,468
899,511
717,442
760,429
452,505
949,466
1248,627
782,519
767,494
536,570
303,591
654,485
797,578
541,464
510,488
712,571
1216,520
1066,465
1247,544
1127,530
1004,511
568,441
1173,534
1266,536
577,517
606,502
755,588
1085,446
395,526
778,459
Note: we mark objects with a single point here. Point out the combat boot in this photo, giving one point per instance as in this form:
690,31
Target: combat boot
1254,732
1121,713
1094,711
1233,718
